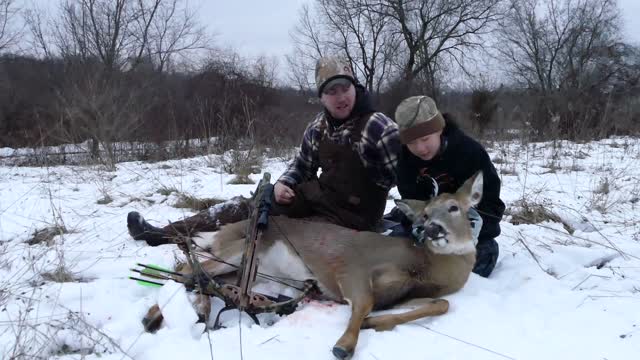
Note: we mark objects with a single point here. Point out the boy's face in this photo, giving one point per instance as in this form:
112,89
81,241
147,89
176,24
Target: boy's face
426,147
339,100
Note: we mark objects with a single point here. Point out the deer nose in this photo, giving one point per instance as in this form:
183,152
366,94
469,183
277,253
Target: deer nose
433,230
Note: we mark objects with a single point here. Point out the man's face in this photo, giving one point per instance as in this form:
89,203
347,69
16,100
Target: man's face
426,147
339,100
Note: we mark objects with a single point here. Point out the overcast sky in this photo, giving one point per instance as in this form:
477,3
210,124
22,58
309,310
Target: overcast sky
631,15
252,27
261,27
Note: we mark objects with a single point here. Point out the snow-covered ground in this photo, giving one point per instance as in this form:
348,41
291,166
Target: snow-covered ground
553,295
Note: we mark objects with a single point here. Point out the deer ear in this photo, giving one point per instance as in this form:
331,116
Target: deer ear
472,188
411,208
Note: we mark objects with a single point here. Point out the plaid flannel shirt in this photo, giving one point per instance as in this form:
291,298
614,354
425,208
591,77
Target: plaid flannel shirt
378,148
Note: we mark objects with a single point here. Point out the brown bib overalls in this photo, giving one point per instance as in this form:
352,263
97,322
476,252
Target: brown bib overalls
345,193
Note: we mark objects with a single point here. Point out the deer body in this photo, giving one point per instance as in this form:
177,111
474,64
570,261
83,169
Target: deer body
393,267
368,270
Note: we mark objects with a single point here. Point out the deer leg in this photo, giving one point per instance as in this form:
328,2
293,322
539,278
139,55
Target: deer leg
212,267
202,305
413,303
361,298
153,319
429,307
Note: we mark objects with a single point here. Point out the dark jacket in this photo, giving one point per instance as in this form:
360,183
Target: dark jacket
460,157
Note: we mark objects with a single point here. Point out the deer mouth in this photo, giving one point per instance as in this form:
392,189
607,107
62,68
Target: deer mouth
439,242
436,234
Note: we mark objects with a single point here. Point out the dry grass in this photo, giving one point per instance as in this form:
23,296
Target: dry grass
579,155
535,257
60,275
498,160
282,154
107,199
69,350
104,185
87,339
186,201
242,163
167,190
552,166
508,171
47,234
601,199
531,213
576,168
5,262
241,180
604,187
138,199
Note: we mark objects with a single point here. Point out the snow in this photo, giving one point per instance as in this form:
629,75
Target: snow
554,294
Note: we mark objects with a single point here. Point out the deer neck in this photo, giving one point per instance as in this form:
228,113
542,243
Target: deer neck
445,272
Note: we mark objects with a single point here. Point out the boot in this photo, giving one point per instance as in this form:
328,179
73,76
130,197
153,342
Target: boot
231,211
140,229
487,252
228,212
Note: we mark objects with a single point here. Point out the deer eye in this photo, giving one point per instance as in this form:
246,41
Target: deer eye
425,217
453,208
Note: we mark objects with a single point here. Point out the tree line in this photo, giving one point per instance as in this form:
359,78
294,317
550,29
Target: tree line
110,71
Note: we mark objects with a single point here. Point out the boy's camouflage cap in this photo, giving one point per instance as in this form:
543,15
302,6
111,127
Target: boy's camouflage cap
418,116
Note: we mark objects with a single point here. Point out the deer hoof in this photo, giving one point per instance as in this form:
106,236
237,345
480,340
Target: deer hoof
151,324
152,320
341,353
202,318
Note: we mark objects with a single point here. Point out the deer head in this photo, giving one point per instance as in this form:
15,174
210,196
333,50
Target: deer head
442,223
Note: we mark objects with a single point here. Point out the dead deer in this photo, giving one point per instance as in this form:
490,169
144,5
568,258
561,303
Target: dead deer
370,271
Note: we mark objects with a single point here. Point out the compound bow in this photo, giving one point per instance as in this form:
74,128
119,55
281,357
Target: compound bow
239,296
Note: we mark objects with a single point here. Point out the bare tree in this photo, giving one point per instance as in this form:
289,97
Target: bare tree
118,49
37,27
483,108
409,40
550,42
174,30
309,44
9,30
100,109
264,71
356,29
360,30
435,32
564,51
120,34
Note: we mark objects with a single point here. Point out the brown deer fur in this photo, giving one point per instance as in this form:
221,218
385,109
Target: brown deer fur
366,269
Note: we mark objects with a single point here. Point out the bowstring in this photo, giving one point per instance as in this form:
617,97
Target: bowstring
277,279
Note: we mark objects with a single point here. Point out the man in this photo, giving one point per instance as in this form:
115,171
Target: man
356,148
437,157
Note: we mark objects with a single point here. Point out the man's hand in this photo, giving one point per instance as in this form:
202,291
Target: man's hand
283,194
